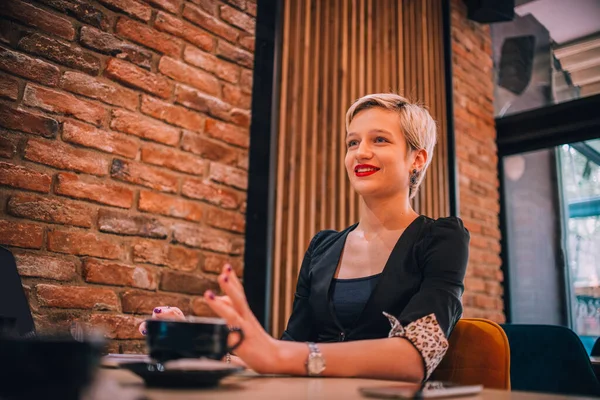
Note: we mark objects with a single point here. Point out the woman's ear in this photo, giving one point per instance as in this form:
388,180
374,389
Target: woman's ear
420,159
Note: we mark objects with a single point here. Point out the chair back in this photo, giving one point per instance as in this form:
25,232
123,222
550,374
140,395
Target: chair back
478,353
13,302
551,359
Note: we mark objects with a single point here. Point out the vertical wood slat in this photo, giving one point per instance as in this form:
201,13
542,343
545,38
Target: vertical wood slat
333,52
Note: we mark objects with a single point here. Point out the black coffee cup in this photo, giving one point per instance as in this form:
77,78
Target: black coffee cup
202,337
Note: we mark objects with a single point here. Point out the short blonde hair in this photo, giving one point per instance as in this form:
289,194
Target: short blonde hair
417,125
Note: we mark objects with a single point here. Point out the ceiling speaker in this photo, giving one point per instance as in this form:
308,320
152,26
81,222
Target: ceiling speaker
516,63
489,11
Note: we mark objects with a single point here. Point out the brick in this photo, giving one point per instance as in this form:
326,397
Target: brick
227,132
125,224
169,5
208,149
63,156
107,43
56,321
182,72
228,220
214,263
207,191
203,238
235,54
95,190
9,88
8,145
112,273
99,89
210,23
63,53
38,18
172,159
237,18
44,266
9,31
130,7
52,210
201,309
133,347
146,36
143,175
239,4
28,67
243,161
117,326
63,103
246,81
251,8
204,103
170,206
129,74
28,122
77,297
209,6
240,117
235,96
20,234
159,253
83,11
141,302
208,62
167,23
110,142
175,115
247,42
24,178
143,127
180,282
81,243
229,175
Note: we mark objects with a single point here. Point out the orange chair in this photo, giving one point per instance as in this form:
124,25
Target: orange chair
478,353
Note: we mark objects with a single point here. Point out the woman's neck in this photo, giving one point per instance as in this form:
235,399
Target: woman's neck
387,214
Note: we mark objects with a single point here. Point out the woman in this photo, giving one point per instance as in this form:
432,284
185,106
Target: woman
394,267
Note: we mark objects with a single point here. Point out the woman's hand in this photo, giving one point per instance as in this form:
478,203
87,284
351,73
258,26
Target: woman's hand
258,349
163,312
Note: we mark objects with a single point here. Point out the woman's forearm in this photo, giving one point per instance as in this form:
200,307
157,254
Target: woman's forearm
390,358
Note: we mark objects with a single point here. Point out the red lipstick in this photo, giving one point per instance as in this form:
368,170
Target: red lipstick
362,170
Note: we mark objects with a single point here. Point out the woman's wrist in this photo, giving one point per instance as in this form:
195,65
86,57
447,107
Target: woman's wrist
290,357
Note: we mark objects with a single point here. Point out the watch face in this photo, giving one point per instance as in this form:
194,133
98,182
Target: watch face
316,364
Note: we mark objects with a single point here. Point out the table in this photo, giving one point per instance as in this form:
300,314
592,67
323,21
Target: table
595,360
249,386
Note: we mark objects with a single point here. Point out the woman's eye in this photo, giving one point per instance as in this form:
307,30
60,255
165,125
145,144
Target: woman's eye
380,139
352,143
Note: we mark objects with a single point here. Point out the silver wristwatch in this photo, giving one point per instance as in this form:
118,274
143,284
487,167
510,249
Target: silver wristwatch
315,364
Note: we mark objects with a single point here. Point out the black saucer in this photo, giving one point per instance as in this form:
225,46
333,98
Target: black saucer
182,373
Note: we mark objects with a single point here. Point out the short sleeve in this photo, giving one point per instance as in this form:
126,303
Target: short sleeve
301,327
431,314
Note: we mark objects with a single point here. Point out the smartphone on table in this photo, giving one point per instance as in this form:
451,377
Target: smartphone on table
429,390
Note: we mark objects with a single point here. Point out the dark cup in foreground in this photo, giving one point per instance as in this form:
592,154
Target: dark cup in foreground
46,368
203,337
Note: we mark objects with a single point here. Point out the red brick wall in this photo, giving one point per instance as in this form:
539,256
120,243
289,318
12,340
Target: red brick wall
124,129
477,161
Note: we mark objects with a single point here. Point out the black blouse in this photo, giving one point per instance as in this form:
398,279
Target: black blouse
423,275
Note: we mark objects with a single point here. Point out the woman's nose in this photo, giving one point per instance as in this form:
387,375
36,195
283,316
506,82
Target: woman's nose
364,151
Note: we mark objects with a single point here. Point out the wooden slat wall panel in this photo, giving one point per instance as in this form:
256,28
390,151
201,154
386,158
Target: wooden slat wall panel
335,51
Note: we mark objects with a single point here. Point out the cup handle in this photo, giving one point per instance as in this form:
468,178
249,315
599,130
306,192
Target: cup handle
239,331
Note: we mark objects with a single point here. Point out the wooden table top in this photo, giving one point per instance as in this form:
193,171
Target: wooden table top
249,386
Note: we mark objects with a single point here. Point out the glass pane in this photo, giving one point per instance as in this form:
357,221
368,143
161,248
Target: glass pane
580,169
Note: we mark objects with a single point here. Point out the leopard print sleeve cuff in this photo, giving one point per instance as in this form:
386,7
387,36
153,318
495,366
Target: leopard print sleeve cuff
427,337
